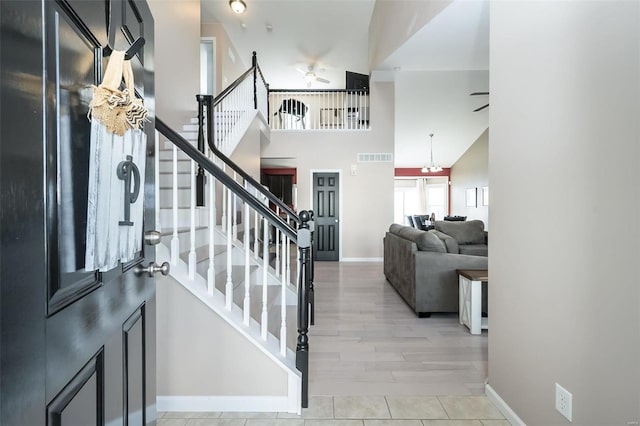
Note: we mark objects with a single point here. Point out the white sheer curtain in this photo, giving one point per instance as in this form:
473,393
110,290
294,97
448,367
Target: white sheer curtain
421,186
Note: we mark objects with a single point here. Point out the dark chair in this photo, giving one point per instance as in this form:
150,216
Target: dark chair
421,221
294,107
410,220
455,218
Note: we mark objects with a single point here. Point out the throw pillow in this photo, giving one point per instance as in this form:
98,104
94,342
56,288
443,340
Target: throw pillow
471,232
424,240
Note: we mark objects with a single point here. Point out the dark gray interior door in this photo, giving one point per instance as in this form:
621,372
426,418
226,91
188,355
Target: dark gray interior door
326,210
77,346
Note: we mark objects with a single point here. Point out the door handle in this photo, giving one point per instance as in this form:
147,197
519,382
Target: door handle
152,269
152,238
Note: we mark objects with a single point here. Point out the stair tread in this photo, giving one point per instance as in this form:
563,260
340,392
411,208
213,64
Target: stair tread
182,230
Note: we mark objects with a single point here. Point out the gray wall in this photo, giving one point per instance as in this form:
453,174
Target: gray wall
177,59
564,154
368,196
471,171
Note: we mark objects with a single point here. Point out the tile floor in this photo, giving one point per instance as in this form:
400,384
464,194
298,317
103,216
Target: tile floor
360,411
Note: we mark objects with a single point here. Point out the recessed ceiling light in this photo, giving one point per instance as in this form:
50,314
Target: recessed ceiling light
238,6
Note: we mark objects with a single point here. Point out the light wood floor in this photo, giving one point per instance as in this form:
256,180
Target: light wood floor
367,341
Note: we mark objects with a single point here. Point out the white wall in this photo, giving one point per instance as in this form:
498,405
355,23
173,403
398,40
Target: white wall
565,203
394,22
228,66
177,59
471,171
199,354
438,102
367,198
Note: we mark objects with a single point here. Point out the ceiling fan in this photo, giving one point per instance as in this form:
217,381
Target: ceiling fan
310,76
480,94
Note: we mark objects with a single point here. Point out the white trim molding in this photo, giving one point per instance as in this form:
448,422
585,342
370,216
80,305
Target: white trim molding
502,406
260,404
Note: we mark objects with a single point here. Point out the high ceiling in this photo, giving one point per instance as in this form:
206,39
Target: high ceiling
330,34
333,36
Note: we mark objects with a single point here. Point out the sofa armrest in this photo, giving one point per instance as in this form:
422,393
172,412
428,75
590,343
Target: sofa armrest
486,237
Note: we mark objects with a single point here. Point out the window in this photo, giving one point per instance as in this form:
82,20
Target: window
406,200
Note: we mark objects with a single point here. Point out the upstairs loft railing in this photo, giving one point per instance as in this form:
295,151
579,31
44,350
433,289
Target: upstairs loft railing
319,109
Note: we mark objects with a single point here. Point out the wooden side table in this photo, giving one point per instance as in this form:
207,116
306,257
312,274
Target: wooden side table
470,309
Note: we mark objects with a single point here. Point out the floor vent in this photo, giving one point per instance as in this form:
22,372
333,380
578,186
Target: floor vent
375,157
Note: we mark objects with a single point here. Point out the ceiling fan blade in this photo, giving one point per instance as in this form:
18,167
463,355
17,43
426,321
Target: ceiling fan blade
300,71
481,108
322,80
478,93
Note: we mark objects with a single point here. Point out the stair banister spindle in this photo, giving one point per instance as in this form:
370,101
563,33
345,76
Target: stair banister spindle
283,297
247,267
254,64
156,176
235,211
228,290
264,320
256,245
312,225
192,223
224,204
211,270
277,237
302,346
175,240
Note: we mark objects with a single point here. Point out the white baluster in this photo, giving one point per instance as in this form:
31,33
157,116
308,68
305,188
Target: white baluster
264,322
175,240
289,263
192,225
247,269
211,271
224,205
277,236
283,307
256,232
228,291
235,211
156,177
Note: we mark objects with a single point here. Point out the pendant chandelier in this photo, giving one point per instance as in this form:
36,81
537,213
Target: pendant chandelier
432,168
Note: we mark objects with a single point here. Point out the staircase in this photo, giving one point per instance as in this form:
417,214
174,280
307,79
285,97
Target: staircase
235,254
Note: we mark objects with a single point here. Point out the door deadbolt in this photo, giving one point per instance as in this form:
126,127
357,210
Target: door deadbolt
151,238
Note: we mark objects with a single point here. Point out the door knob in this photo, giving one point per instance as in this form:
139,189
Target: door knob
152,269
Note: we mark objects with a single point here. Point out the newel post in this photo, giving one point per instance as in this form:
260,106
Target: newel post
254,64
200,173
312,225
302,347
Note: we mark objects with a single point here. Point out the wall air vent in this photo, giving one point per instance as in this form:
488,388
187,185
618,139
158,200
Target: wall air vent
375,157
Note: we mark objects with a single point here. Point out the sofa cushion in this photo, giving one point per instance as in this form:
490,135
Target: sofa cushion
424,240
471,232
395,228
475,249
450,243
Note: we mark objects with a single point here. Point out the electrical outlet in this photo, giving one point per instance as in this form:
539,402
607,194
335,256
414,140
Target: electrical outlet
564,400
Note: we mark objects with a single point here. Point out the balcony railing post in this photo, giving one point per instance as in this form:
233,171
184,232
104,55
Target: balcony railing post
302,347
312,310
254,64
200,173
268,106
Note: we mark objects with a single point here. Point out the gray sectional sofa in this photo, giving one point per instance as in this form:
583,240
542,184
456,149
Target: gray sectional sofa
421,265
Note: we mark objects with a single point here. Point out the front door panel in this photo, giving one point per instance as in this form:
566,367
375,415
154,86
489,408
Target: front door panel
326,215
78,346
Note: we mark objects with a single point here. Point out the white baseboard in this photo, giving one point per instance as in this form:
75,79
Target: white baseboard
502,406
261,404
362,259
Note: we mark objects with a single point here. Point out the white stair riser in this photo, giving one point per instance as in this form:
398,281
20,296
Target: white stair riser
166,179
167,154
184,218
202,239
184,197
184,165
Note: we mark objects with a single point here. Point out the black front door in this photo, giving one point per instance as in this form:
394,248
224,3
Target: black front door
77,347
326,216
